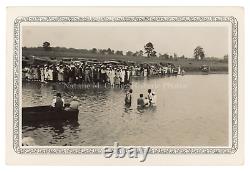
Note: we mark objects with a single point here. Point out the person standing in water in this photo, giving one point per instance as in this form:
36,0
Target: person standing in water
146,102
149,96
153,102
128,98
140,102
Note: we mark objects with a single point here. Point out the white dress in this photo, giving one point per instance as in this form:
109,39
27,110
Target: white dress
145,72
42,74
122,76
153,100
50,76
60,74
46,74
112,76
128,75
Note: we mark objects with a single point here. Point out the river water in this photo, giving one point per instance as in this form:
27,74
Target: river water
191,110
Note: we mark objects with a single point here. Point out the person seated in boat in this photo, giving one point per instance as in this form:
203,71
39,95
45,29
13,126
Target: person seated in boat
140,102
74,104
58,102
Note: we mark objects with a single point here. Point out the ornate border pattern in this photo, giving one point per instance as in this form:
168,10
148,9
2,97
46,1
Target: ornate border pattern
97,150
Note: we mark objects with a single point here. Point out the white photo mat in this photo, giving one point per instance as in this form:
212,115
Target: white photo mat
18,17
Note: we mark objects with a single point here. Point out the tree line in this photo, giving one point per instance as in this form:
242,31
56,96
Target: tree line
148,51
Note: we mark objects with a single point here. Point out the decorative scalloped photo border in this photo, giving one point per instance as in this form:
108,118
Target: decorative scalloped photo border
119,19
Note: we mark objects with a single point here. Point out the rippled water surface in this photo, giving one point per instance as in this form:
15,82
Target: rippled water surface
192,110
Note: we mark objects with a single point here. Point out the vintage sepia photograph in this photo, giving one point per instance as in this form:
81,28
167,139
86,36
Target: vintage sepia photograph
135,85
125,87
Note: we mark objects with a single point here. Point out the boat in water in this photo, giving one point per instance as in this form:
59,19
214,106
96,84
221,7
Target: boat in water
47,113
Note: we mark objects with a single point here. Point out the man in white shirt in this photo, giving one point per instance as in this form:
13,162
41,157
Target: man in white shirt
153,102
74,104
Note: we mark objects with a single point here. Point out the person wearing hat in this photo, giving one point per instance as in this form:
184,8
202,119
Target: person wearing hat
74,104
58,102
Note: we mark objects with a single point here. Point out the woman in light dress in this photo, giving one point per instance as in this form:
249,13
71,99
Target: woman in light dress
128,76
50,74
36,73
153,101
122,75
42,74
117,79
60,74
27,73
145,72
179,70
112,78
46,73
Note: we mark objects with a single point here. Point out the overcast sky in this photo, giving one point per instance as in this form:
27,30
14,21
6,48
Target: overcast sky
181,40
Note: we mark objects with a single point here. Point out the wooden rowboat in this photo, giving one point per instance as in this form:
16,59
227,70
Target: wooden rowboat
47,113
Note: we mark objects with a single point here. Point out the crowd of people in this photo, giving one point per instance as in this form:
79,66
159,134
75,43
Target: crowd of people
78,74
115,75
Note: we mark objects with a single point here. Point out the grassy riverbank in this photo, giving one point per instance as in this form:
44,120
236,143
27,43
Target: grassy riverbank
188,64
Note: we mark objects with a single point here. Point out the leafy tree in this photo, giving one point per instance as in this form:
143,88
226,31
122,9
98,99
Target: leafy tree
105,52
101,51
175,56
153,54
46,46
110,52
149,47
182,57
164,56
129,53
135,54
199,53
94,51
119,53
140,53
225,57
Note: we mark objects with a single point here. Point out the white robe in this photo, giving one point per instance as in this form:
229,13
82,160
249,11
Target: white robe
112,77
50,76
122,76
42,74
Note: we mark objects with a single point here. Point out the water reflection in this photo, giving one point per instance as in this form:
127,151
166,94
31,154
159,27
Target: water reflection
55,132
